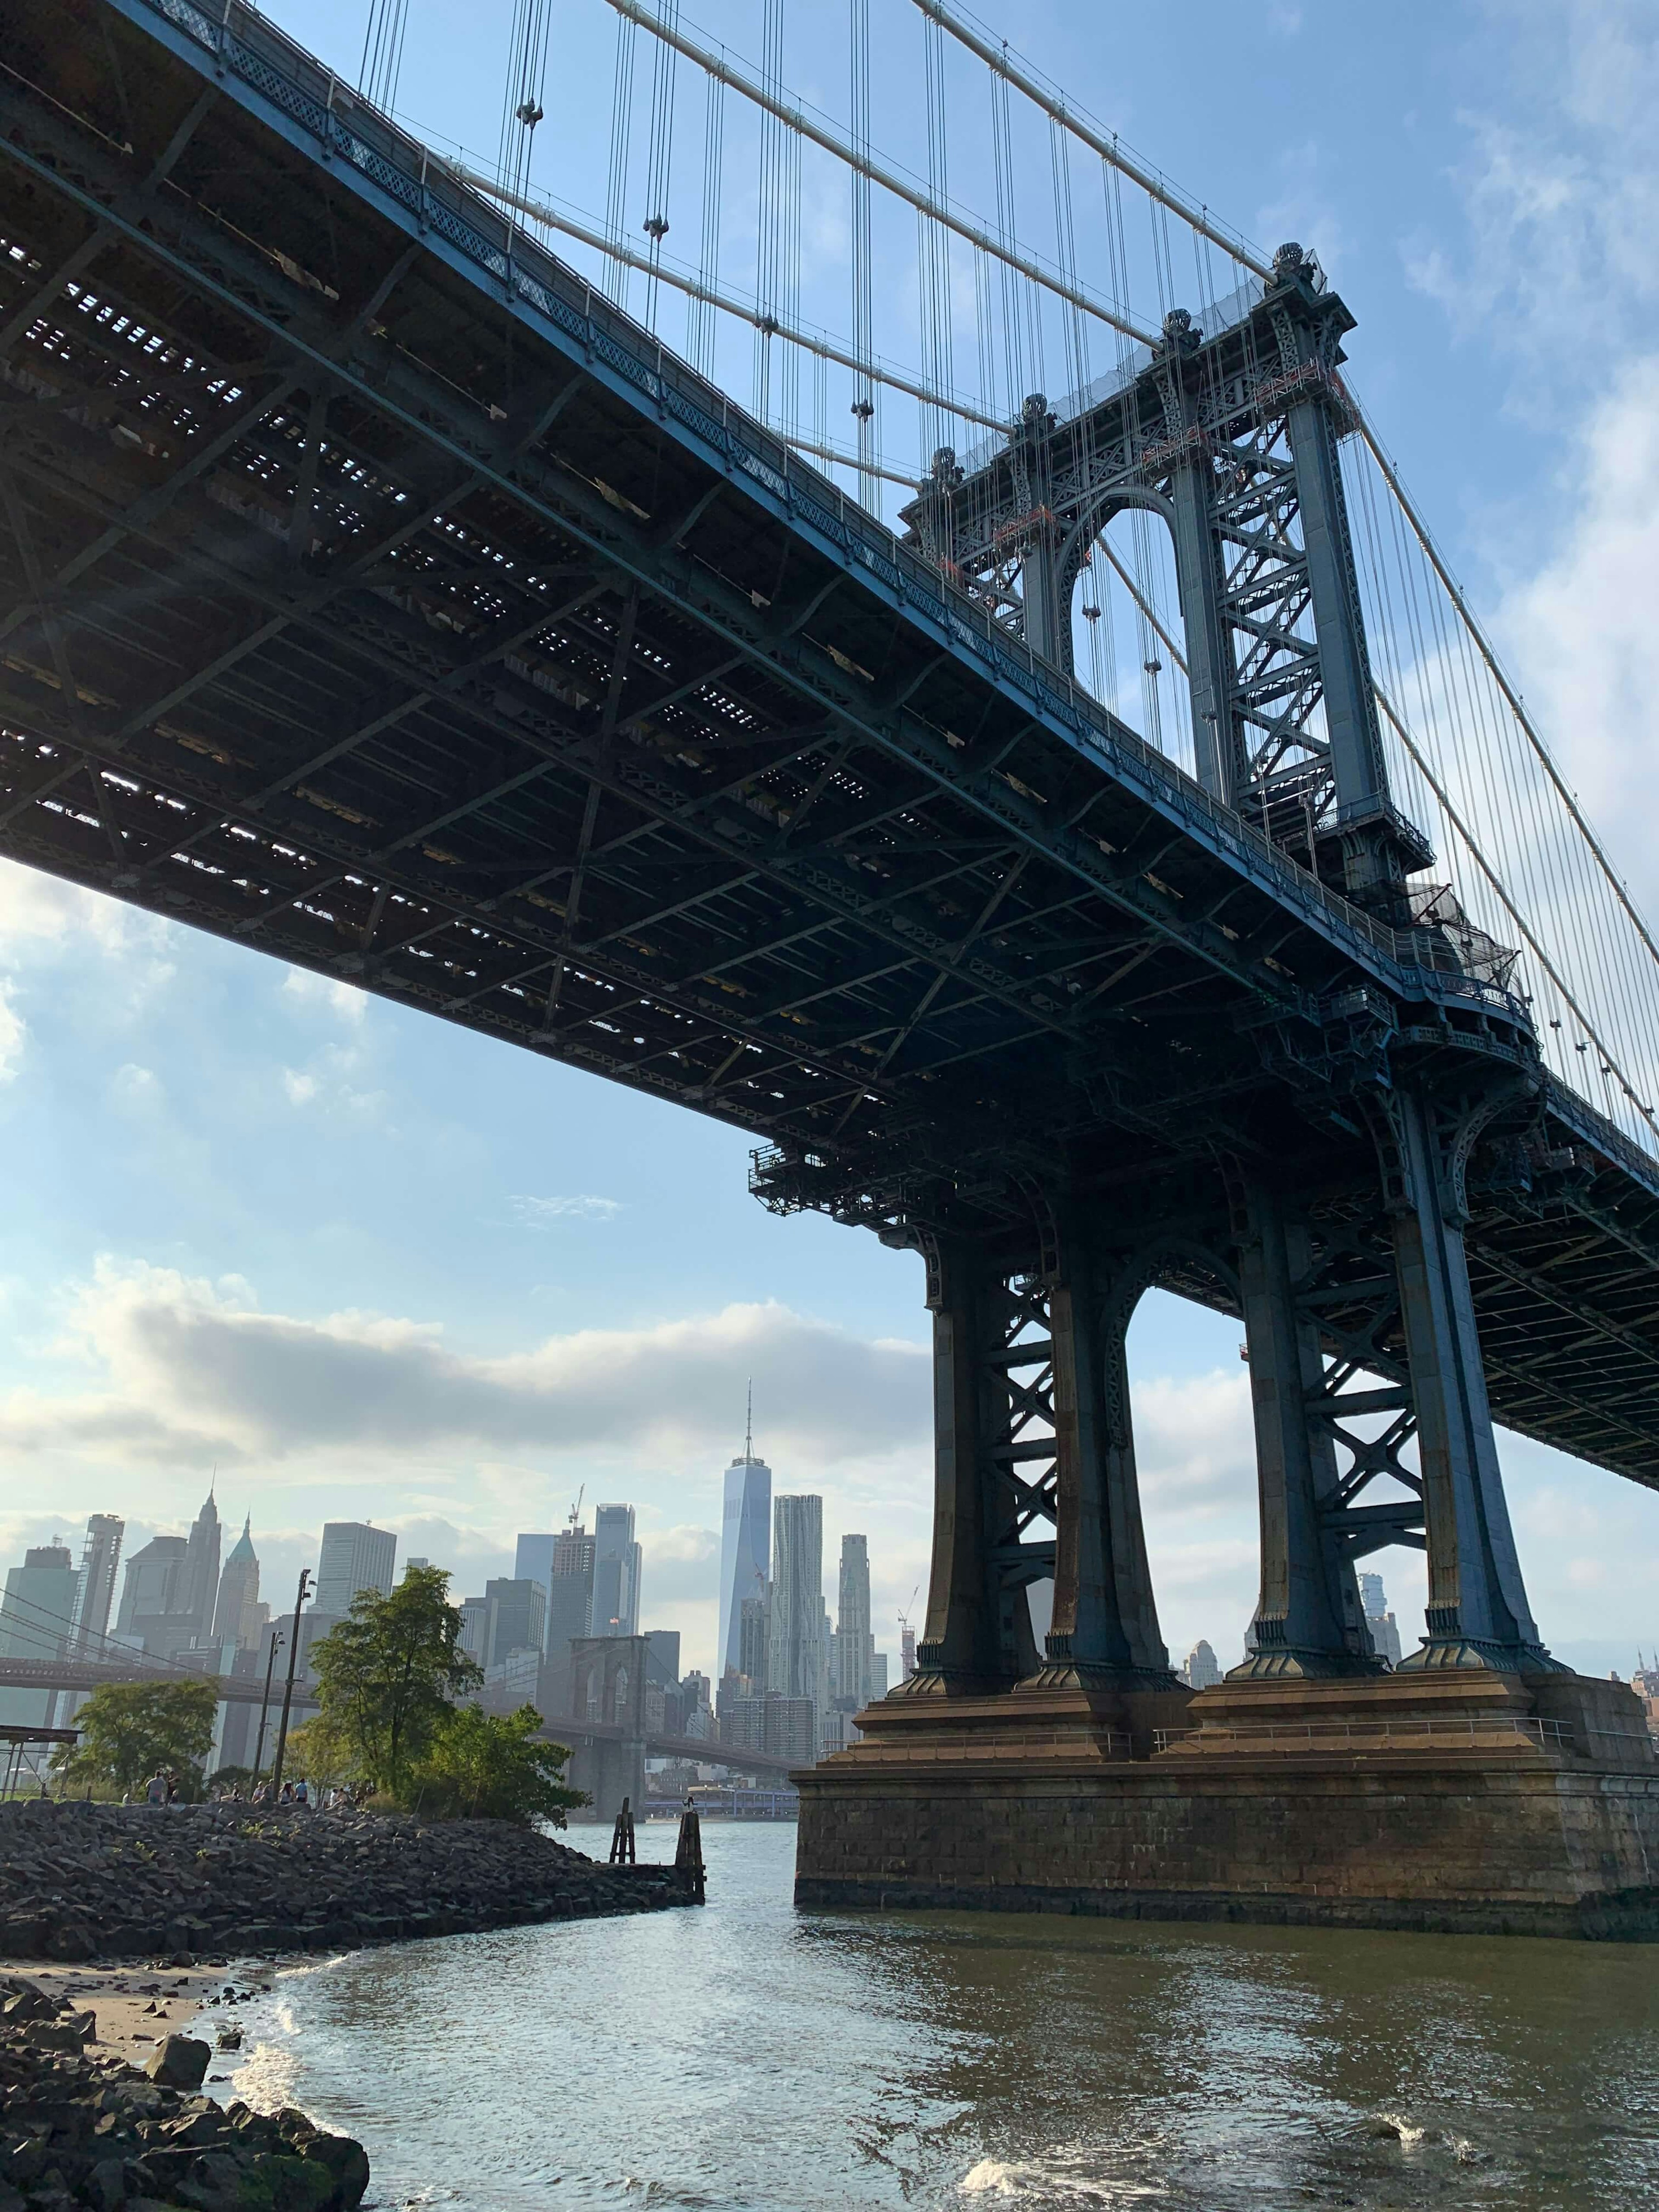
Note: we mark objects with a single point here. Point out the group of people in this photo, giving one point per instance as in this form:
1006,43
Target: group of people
299,1792
163,1789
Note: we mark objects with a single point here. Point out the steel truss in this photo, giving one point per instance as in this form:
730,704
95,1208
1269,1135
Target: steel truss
371,595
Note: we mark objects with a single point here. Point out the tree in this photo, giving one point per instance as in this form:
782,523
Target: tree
490,1766
129,1728
390,1673
323,1753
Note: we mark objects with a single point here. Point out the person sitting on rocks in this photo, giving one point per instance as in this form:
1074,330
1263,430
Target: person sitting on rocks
156,1789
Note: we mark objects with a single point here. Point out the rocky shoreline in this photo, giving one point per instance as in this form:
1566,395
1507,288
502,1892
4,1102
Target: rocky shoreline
79,2130
182,1883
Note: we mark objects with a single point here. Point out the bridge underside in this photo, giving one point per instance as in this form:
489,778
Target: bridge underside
374,595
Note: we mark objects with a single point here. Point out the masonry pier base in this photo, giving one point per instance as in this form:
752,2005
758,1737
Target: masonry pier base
1471,1802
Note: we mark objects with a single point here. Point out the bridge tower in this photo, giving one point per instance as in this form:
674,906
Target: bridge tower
1352,1283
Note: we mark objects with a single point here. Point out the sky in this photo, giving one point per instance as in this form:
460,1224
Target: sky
345,1262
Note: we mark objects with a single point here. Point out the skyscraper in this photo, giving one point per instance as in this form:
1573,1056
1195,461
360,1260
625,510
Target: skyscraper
569,1589
200,1586
1384,1628
1203,1669
155,1613
854,1644
516,1620
355,1556
37,1617
100,1555
746,1549
236,1612
796,1653
532,1559
615,1573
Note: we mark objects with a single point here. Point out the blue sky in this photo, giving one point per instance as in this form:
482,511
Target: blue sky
369,1264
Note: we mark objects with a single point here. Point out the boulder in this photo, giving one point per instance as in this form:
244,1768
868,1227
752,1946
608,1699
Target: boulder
180,2063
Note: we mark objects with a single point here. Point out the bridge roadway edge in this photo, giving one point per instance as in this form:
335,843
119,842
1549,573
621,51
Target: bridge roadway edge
1540,1824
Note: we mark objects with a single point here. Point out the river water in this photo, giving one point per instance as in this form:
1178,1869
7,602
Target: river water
748,2055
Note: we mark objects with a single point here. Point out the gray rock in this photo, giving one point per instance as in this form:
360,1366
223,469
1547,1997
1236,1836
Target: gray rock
180,2063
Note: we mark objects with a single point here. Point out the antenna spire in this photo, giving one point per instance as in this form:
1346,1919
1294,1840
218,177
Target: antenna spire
749,1426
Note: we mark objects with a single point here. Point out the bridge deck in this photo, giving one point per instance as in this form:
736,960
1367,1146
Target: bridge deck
376,596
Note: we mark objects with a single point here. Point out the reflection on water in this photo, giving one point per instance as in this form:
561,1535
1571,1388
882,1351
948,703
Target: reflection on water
749,2055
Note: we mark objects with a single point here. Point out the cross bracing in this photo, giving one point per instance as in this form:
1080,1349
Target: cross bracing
378,597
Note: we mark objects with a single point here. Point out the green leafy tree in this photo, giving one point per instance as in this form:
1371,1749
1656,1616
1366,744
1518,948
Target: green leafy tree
322,1751
389,1675
129,1728
491,1766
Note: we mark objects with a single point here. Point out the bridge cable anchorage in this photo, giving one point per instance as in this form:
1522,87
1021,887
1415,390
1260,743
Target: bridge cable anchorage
1109,147
726,303
797,119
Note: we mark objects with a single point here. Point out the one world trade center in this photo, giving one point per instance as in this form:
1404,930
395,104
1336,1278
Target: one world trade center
745,1546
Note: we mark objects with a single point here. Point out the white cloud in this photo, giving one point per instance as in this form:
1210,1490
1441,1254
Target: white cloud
13,1033
135,1090
540,1212
341,999
1581,630
190,1367
301,1089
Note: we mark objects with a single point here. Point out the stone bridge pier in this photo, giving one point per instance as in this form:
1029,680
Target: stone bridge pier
1480,1786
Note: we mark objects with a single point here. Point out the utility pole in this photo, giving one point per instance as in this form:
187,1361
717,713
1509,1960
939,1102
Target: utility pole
288,1694
277,1640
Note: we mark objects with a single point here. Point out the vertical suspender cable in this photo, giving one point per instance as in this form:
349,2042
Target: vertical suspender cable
521,104
700,325
383,52
616,198
864,343
660,160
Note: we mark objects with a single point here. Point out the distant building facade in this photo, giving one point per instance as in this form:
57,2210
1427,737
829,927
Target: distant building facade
854,1645
796,1647
515,1620
101,1557
355,1556
237,1611
37,1619
616,1563
746,1551
570,1588
1203,1669
1384,1628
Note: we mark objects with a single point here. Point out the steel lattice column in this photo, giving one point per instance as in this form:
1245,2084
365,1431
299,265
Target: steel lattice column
1032,1424
1478,1612
1200,580
1105,1616
1309,1620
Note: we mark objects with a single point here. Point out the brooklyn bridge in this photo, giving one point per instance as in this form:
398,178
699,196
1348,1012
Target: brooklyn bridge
381,595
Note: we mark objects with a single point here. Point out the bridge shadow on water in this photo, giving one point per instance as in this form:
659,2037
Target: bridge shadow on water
749,2055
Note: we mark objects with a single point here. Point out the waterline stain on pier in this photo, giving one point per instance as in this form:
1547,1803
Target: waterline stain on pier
752,2056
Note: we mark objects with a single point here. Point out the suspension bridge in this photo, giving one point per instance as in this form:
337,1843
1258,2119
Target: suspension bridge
1127,863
